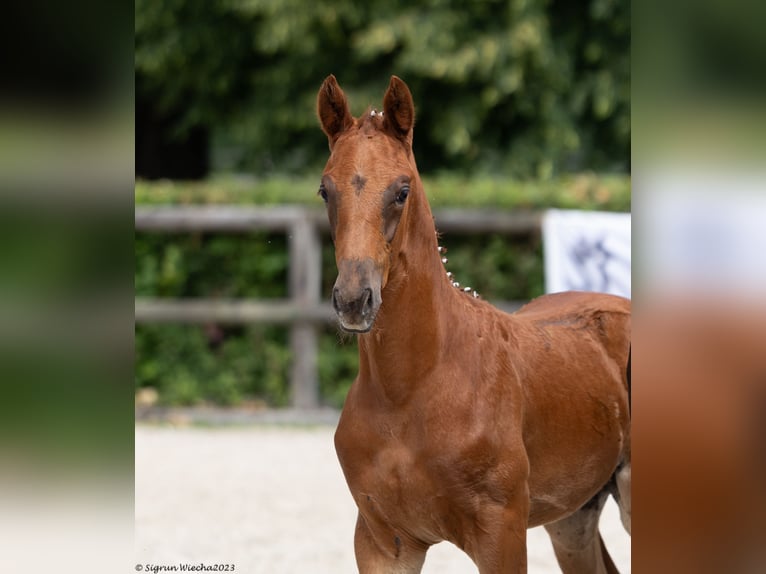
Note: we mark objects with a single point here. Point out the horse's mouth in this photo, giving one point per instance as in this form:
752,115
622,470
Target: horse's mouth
356,326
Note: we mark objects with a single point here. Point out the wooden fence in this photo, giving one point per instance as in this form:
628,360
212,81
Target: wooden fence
304,311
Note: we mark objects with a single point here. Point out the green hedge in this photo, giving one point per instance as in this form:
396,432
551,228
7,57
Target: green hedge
231,365
582,191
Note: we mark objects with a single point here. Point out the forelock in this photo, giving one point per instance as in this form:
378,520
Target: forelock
370,121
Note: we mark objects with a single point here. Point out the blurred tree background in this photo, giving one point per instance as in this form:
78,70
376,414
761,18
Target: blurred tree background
526,88
521,104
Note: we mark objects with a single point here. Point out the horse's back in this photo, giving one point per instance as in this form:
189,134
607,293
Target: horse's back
606,317
568,303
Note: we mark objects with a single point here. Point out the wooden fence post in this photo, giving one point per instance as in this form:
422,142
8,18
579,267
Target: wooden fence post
305,284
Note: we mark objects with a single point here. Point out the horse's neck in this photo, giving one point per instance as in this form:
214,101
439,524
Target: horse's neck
407,338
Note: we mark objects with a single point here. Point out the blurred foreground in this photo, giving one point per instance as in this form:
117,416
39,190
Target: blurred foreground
699,331
699,438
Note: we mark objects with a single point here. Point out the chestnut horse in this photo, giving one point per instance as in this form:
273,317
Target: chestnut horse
465,423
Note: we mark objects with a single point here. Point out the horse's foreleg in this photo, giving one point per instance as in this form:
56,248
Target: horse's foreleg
499,542
399,558
577,542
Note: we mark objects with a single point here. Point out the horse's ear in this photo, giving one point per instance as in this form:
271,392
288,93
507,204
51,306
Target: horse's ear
399,109
332,109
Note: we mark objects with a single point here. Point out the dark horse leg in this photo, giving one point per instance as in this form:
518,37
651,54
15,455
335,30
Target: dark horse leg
577,543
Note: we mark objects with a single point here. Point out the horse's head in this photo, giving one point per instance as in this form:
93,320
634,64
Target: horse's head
366,184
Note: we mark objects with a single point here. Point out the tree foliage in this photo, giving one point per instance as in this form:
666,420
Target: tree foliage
519,87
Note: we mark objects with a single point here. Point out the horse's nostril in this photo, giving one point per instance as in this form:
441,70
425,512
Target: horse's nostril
335,299
366,301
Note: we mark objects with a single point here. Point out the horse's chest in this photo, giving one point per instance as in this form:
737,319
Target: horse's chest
392,486
387,474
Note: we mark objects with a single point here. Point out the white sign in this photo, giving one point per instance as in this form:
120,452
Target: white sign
587,251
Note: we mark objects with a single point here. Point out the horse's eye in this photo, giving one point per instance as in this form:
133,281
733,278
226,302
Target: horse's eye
401,197
322,193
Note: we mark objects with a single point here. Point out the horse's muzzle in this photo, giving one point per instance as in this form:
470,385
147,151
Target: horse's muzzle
356,295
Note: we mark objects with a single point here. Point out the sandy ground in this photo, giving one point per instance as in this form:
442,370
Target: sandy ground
273,500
